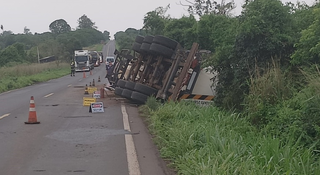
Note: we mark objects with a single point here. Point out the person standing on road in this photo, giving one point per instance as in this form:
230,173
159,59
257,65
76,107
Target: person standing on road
72,68
109,68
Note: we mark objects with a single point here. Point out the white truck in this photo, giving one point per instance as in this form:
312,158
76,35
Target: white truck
83,60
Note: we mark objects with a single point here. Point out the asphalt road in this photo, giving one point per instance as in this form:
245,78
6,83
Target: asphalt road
70,139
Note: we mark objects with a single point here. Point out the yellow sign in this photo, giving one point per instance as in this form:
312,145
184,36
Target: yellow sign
88,100
92,89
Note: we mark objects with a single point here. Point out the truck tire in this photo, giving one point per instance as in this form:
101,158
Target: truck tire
130,85
145,47
172,44
161,50
121,83
148,39
118,91
139,39
136,47
146,90
126,93
139,97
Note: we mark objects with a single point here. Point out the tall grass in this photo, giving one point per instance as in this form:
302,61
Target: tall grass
205,141
27,74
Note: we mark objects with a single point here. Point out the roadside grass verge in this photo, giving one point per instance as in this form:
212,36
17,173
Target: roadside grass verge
206,141
27,74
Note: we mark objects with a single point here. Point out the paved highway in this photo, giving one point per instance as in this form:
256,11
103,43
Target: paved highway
69,139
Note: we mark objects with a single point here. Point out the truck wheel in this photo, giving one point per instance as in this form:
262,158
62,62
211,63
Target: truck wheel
130,85
136,47
126,93
141,98
172,44
121,83
161,50
148,39
118,91
145,47
139,39
146,90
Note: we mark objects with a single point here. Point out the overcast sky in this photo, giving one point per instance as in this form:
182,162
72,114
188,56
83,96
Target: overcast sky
110,15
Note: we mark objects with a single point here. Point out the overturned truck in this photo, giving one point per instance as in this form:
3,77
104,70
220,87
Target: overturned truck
158,66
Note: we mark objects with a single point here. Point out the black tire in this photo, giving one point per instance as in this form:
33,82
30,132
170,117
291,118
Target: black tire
121,83
148,39
146,90
130,85
139,97
126,93
172,44
136,47
145,47
161,50
118,91
139,39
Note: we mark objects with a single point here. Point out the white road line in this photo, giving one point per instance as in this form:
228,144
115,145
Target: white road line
69,85
5,115
48,95
133,164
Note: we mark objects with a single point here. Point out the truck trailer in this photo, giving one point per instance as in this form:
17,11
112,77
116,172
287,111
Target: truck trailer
158,66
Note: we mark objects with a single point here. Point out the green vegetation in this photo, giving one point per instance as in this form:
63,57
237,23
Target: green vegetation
60,42
27,74
95,47
205,140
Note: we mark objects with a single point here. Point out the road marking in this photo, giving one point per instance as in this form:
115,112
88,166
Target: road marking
48,95
69,85
5,115
133,164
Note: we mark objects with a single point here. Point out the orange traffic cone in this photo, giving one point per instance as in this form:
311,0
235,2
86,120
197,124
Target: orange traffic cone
84,73
32,113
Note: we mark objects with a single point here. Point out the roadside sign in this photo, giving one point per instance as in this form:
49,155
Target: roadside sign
88,100
96,94
96,107
92,89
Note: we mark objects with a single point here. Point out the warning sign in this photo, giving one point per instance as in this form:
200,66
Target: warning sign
92,89
96,107
87,101
96,94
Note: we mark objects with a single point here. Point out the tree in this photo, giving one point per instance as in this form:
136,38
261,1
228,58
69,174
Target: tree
264,35
183,30
205,7
106,35
26,30
86,23
154,21
59,26
308,47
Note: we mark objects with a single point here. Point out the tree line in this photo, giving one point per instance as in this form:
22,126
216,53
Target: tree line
61,42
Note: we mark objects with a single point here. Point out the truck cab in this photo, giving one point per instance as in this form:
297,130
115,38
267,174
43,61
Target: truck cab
83,60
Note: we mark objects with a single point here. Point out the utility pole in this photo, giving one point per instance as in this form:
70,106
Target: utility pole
38,55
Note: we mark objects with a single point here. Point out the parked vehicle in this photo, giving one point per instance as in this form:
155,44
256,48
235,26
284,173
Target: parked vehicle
160,67
95,58
83,60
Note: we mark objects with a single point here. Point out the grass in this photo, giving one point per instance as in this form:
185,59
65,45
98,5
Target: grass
206,141
27,74
96,47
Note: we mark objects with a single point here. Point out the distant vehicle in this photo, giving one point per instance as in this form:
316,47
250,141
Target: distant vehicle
95,58
83,60
110,59
100,57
